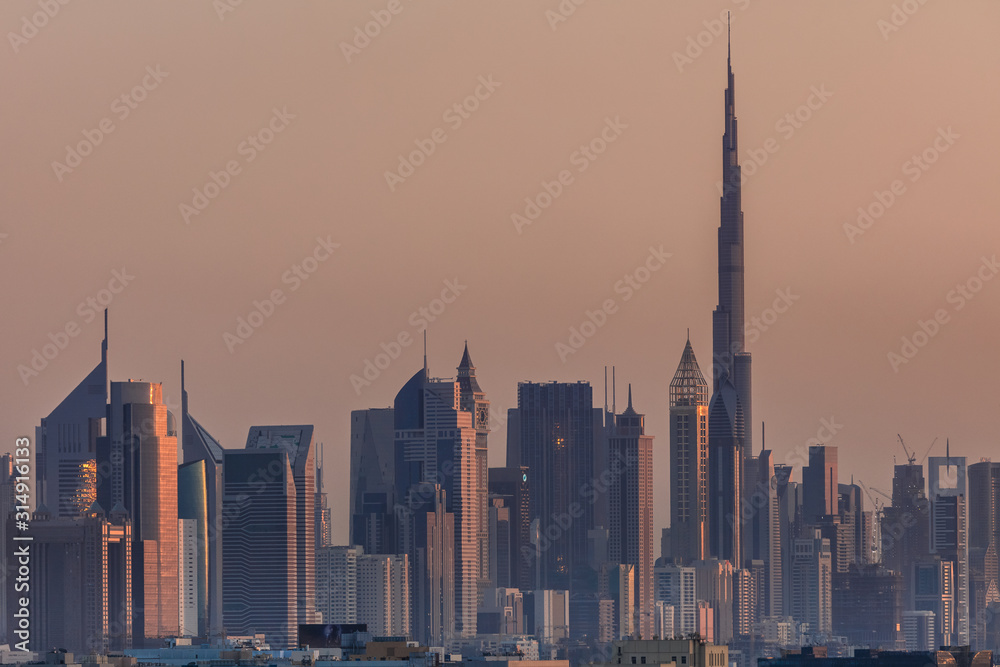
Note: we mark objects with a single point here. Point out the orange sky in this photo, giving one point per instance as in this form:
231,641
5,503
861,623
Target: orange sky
328,130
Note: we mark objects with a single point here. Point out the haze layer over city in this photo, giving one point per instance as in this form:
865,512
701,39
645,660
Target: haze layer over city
868,323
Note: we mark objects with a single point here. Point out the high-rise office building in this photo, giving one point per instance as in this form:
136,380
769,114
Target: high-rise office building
140,454
192,511
725,475
984,540
729,356
297,441
557,446
789,526
66,443
79,589
7,501
819,482
674,585
948,530
868,607
337,583
512,485
760,516
714,586
630,494
933,590
321,508
260,552
428,535
688,460
372,513
383,594
905,527
199,445
812,593
472,399
500,551
436,444
615,590
919,630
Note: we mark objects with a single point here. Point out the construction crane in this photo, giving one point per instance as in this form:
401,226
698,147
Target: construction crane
929,449
909,457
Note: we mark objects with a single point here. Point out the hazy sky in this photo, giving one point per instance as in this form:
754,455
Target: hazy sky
202,86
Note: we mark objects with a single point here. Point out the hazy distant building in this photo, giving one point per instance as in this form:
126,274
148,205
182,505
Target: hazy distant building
948,531
905,526
868,607
259,545
65,470
383,594
322,530
81,572
297,441
630,494
372,497
140,455
919,630
811,581
688,460
761,518
714,586
513,486
7,501
199,445
933,589
675,585
427,532
820,487
984,541
337,583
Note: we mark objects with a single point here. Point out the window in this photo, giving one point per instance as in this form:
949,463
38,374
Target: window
684,660
633,659
644,660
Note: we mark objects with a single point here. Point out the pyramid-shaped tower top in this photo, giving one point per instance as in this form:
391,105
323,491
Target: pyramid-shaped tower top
688,386
467,373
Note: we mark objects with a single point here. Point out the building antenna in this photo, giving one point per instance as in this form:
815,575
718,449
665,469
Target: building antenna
762,424
614,403
425,354
605,388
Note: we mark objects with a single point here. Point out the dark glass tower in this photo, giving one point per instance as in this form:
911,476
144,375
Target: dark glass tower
730,358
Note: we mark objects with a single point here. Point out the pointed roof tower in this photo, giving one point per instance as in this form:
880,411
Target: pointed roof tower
467,373
688,386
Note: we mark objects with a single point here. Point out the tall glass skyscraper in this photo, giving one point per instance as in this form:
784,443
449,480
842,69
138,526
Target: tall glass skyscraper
140,455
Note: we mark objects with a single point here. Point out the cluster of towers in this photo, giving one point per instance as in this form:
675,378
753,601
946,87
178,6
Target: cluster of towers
136,540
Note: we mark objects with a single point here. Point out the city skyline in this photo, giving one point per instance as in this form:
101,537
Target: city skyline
311,366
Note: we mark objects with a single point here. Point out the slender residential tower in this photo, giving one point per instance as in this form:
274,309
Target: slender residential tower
730,356
688,460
